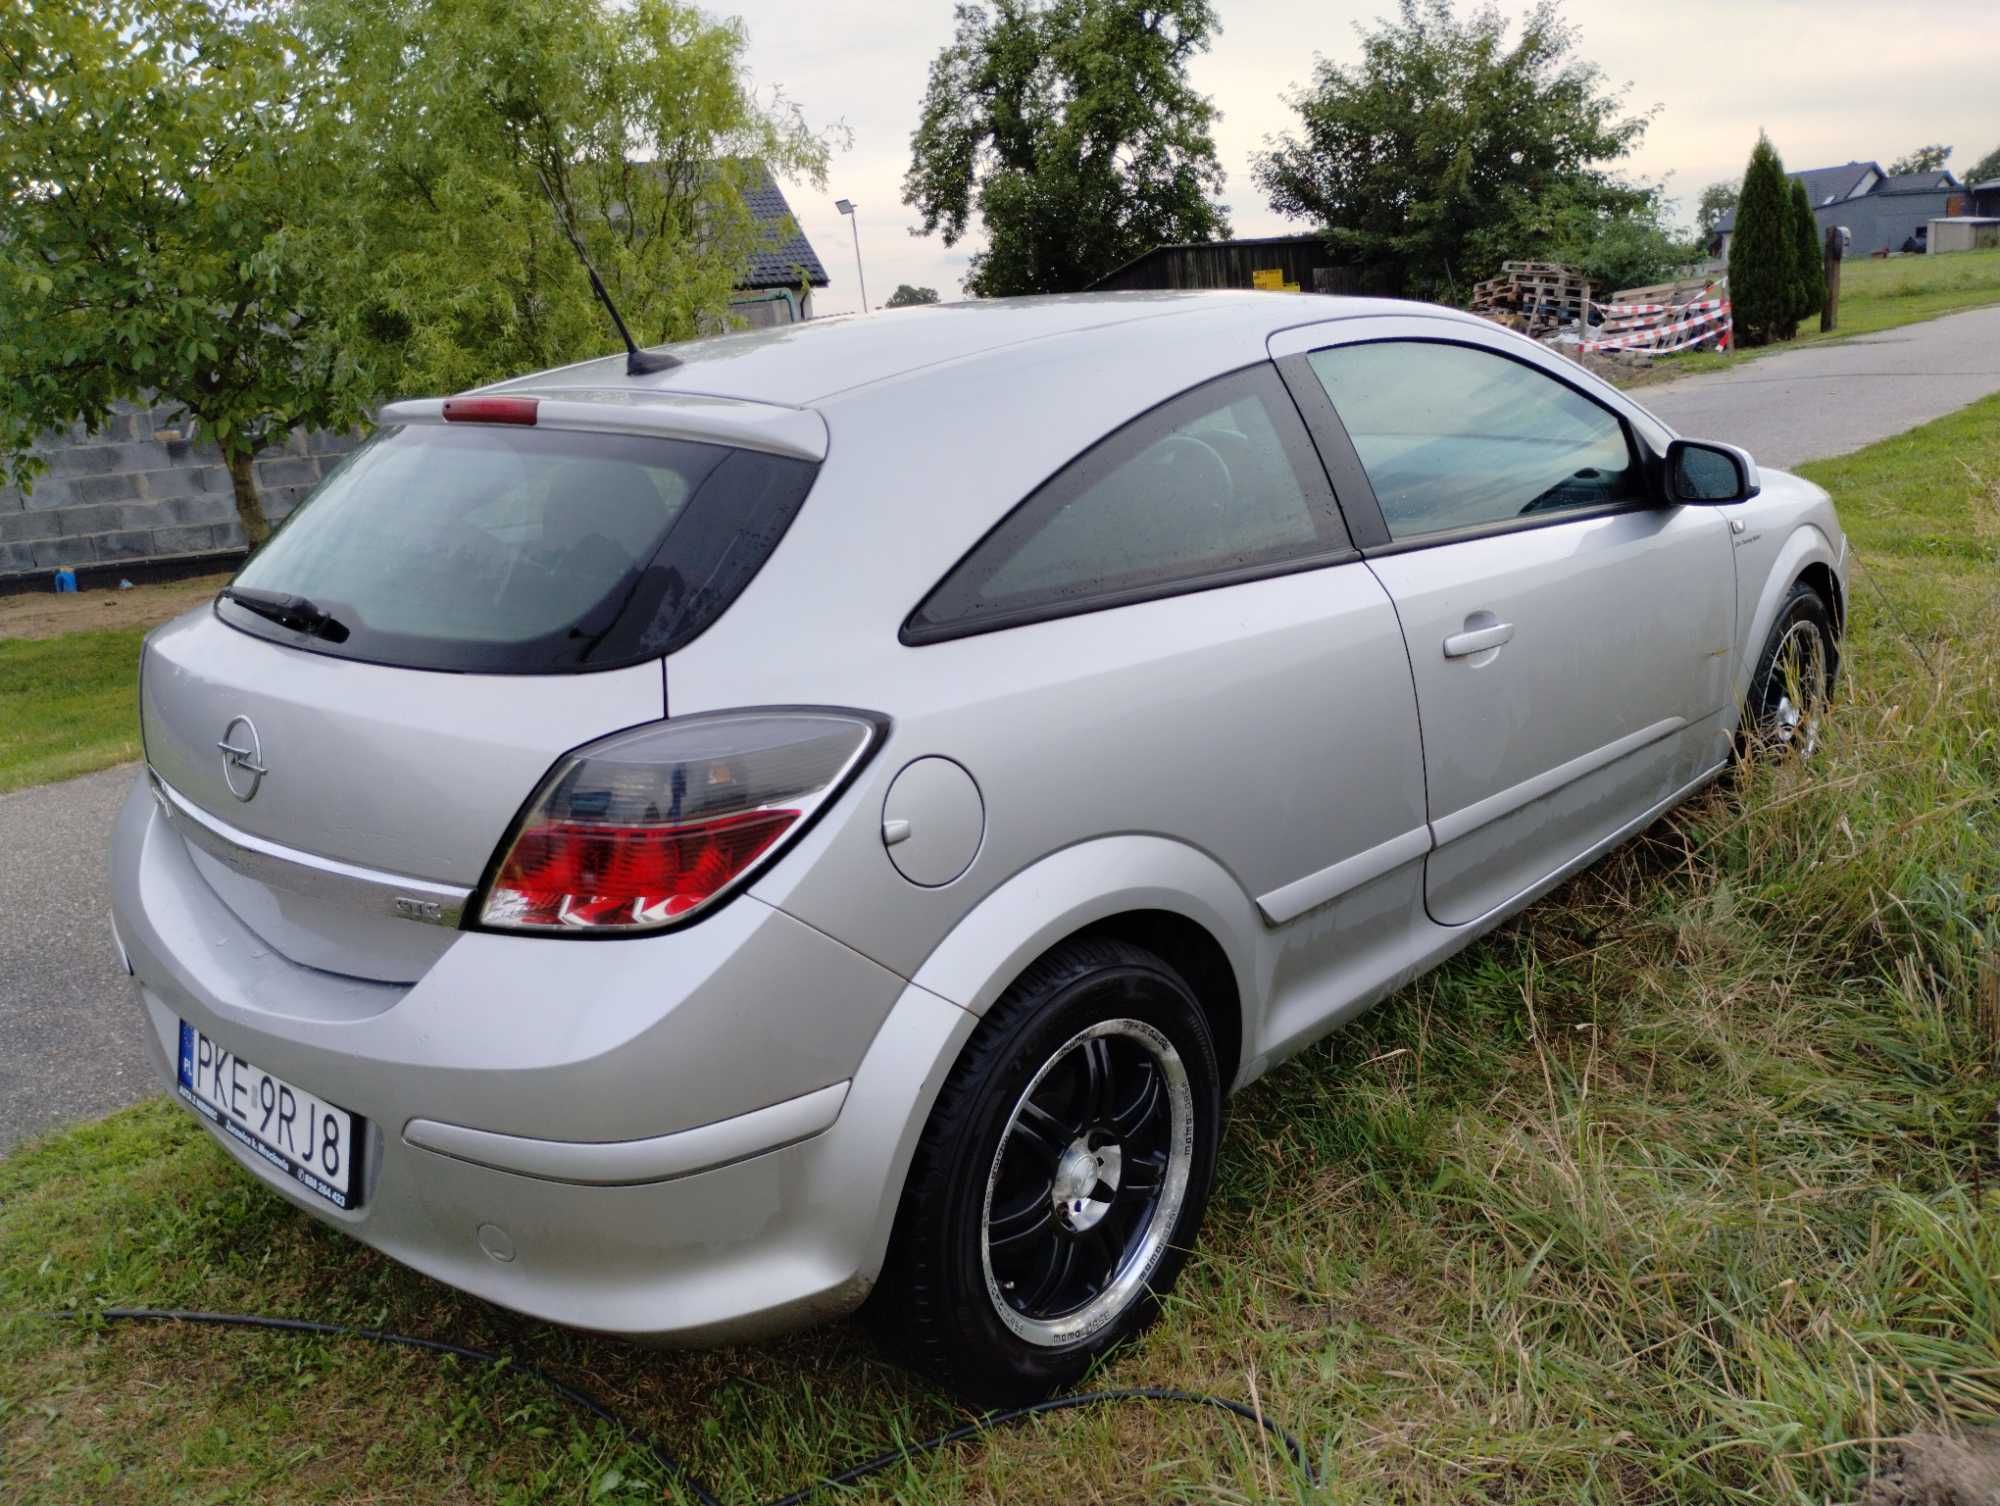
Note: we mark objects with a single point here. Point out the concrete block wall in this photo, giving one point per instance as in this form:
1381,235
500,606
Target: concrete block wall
138,490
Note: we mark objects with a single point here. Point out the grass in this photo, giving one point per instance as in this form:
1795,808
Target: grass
68,705
1681,1187
1874,295
69,675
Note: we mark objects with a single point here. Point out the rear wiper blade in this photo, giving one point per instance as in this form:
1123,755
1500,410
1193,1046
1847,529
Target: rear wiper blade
287,610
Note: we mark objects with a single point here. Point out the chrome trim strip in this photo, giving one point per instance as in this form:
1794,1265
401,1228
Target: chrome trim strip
1316,889
625,1163
1468,819
306,873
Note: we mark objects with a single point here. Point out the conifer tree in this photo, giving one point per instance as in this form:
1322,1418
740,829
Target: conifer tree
1811,263
1763,261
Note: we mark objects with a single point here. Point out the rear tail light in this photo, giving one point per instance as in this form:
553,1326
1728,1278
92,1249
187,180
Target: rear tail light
652,827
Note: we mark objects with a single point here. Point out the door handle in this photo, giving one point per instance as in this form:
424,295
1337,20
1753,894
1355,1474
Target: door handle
1477,640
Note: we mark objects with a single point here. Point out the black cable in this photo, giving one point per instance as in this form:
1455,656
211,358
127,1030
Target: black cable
673,1467
582,1400
1895,613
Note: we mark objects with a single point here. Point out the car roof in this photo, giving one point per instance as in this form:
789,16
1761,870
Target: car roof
805,364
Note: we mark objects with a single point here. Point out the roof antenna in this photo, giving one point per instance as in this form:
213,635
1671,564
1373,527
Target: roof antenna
637,362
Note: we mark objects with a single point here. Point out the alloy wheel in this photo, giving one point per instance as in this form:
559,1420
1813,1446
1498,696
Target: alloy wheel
1800,678
1087,1183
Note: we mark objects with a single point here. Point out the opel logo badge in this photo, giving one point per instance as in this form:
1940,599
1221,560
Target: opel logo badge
242,758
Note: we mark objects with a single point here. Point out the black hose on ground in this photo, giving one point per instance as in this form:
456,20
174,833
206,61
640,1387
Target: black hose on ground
692,1483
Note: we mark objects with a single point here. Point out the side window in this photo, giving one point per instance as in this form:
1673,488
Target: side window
1219,481
1452,436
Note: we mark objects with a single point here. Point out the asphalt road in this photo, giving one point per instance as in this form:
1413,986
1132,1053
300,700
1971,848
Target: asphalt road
72,1047
1823,400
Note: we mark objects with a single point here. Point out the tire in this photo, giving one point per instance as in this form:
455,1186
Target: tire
1096,1070
1794,677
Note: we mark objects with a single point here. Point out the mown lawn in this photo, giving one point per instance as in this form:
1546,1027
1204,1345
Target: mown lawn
67,705
1681,1188
69,676
1874,295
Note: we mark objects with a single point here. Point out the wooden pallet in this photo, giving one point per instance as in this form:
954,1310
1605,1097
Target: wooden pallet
1686,290
1532,296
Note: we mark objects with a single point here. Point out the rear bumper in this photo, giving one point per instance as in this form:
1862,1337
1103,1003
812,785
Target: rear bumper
604,1156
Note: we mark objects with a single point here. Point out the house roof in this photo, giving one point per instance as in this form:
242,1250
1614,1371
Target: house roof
1931,182
1825,185
779,264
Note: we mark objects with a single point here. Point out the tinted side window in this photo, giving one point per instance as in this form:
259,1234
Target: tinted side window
1453,437
1217,483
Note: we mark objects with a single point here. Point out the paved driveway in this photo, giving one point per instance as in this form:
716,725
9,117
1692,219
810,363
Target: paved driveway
72,1043
1825,400
70,1046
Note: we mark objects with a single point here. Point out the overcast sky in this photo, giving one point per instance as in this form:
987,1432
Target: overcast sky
1830,80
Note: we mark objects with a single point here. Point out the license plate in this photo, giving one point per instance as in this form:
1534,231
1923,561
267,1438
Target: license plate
305,1137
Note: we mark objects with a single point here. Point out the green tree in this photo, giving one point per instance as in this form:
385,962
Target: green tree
1810,256
1442,150
907,296
1620,248
640,120
1985,169
1070,128
162,163
1763,262
1716,200
1925,159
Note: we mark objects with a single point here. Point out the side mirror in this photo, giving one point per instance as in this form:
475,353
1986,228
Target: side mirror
1701,472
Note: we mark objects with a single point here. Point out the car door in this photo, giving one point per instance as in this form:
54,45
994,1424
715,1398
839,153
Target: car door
1569,634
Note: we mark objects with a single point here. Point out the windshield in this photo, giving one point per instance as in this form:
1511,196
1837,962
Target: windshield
517,550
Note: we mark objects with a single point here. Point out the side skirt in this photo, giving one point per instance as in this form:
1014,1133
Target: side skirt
1435,944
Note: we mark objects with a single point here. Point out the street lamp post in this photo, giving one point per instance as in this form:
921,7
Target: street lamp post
846,207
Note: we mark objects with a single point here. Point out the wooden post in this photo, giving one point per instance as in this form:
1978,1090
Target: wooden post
1829,314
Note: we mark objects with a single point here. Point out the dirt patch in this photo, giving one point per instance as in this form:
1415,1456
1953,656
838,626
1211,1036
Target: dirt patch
48,614
1928,1469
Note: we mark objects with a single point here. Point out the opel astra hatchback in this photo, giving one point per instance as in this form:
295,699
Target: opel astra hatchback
685,854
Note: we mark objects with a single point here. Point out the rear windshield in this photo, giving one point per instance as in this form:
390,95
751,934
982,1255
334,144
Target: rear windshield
507,550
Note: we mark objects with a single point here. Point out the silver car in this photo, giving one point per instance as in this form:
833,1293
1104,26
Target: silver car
683,855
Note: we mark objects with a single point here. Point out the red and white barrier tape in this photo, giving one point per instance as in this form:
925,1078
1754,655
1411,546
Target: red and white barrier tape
1649,339
1628,310
1669,314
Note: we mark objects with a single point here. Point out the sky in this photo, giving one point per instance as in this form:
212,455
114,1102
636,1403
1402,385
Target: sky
1831,81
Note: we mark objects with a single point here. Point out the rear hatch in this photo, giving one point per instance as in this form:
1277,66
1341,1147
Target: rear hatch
346,736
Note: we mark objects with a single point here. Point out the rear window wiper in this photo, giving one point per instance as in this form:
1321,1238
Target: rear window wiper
287,610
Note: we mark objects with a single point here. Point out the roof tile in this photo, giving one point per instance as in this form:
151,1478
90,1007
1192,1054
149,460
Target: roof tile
779,265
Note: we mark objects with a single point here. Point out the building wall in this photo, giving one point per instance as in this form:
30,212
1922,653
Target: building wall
762,310
1882,221
1963,235
1233,264
136,490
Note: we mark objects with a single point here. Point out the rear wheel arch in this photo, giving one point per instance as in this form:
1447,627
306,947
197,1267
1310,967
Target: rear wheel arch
1187,946
1161,895
1189,949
